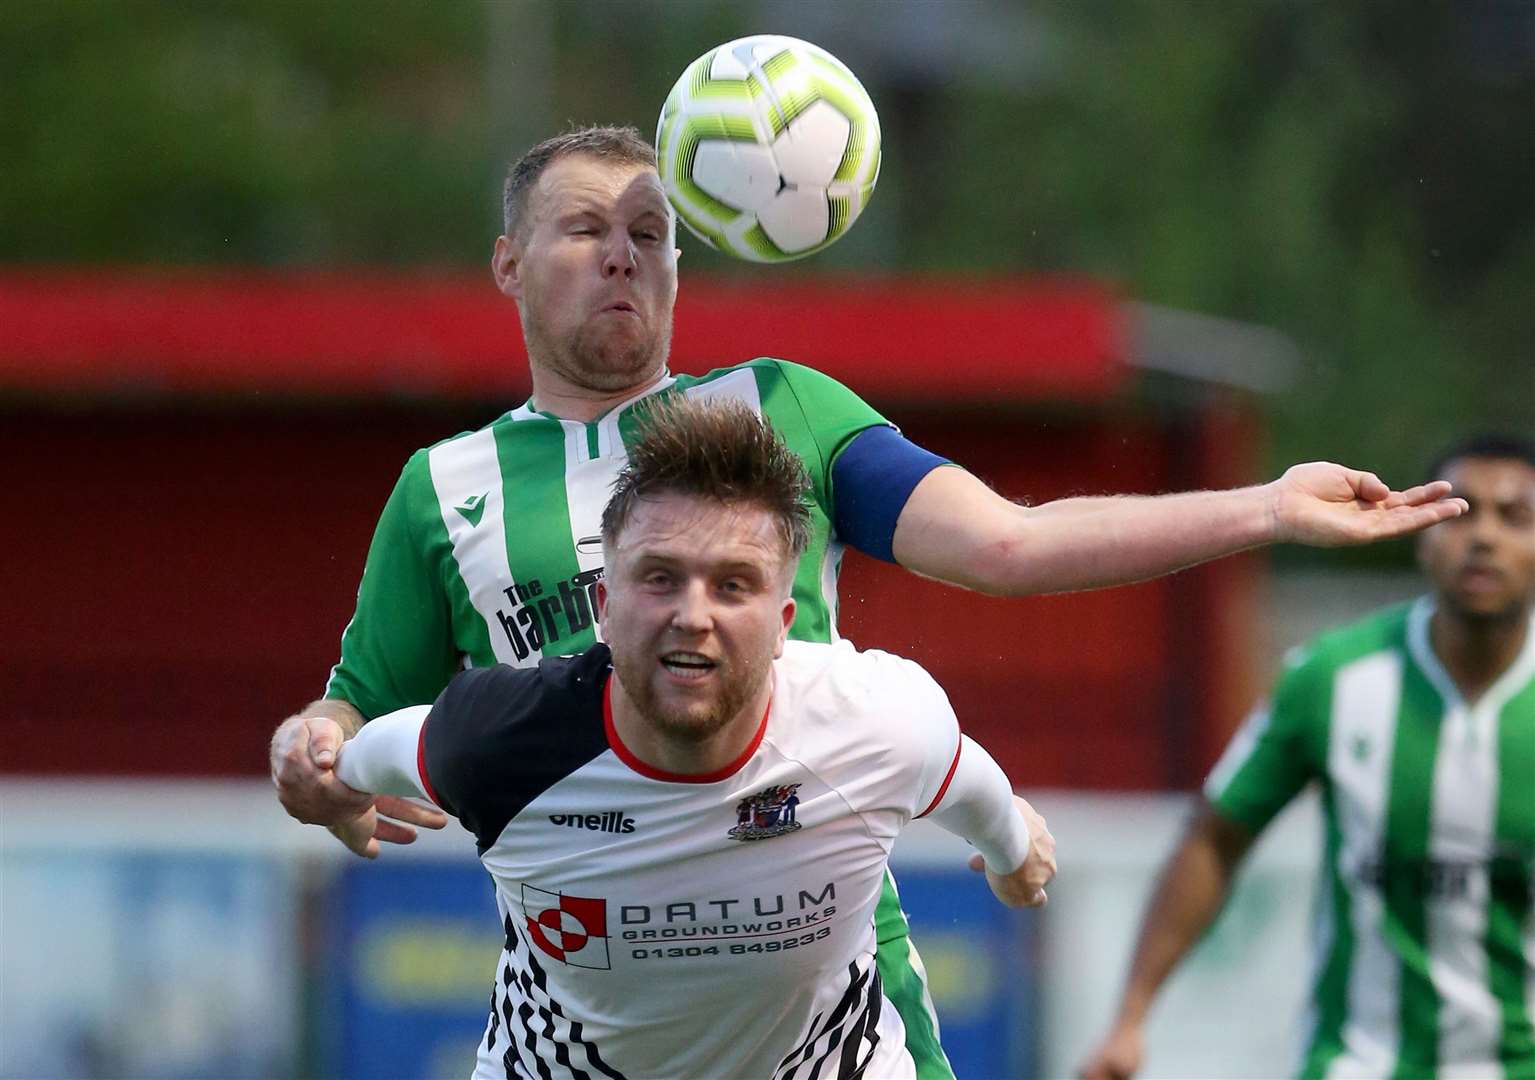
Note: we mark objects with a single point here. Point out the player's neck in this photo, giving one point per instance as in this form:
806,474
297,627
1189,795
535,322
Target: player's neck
1475,652
568,401
665,752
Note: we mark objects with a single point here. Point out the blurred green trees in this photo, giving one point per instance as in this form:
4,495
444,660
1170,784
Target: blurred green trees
1360,176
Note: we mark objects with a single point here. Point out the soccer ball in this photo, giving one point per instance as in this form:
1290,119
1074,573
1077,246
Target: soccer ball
768,148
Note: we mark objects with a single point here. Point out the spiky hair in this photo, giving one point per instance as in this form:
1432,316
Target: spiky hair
718,450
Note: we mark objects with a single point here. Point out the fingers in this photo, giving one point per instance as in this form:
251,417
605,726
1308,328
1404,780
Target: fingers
396,818
324,741
393,832
1418,496
357,834
1100,1069
1368,486
363,833
307,791
1117,1058
1410,519
411,813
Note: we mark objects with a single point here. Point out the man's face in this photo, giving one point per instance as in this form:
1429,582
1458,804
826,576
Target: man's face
695,607
593,269
1482,564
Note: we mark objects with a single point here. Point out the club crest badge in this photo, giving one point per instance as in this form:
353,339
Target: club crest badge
766,814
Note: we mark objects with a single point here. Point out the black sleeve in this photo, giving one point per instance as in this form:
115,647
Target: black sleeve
499,737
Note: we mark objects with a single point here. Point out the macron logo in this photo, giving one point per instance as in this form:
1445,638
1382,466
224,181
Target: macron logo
613,821
472,509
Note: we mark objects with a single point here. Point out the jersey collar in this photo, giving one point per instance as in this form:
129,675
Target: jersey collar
626,755
1492,700
529,409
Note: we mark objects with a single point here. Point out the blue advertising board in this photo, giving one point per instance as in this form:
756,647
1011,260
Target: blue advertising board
415,949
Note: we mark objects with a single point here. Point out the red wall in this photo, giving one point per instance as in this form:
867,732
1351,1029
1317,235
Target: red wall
179,579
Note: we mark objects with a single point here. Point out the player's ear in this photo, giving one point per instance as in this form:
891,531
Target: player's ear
602,600
505,263
783,630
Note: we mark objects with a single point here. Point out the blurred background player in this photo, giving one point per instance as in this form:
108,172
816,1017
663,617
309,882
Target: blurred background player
693,709
1419,723
486,550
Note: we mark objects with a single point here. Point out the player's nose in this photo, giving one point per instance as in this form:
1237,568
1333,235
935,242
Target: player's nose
619,256
692,612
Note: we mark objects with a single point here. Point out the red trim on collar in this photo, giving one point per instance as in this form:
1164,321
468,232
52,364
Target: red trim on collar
627,756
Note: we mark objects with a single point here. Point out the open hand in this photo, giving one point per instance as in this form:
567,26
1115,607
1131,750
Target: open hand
1327,505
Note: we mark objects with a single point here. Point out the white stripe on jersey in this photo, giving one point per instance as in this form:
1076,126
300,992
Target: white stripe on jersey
589,481
1366,695
1461,824
588,486
466,469
740,385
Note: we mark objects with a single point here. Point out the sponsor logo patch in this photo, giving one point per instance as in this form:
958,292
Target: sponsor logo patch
571,929
611,821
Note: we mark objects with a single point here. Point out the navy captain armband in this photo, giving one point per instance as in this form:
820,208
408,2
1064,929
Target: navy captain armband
872,478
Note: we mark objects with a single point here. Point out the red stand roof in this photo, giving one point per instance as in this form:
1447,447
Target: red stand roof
106,331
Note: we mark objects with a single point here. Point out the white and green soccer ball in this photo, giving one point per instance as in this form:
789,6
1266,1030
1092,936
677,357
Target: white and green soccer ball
768,148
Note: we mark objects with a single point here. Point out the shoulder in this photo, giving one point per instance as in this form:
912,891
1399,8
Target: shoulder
1309,670
769,373
525,695
499,736
1381,631
867,683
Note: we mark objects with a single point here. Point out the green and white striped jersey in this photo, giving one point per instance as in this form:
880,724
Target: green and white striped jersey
1425,928
489,548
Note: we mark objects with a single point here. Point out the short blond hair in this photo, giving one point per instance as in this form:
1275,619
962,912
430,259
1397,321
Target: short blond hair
621,145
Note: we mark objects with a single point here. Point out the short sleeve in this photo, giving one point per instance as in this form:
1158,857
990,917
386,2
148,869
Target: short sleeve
833,412
1274,753
398,649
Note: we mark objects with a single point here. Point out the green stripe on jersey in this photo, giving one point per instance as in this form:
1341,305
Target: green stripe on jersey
1405,868
544,610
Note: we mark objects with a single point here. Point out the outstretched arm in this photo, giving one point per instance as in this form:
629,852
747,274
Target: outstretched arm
1189,895
956,529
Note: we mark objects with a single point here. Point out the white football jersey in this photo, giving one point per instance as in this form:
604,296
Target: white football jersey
689,926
